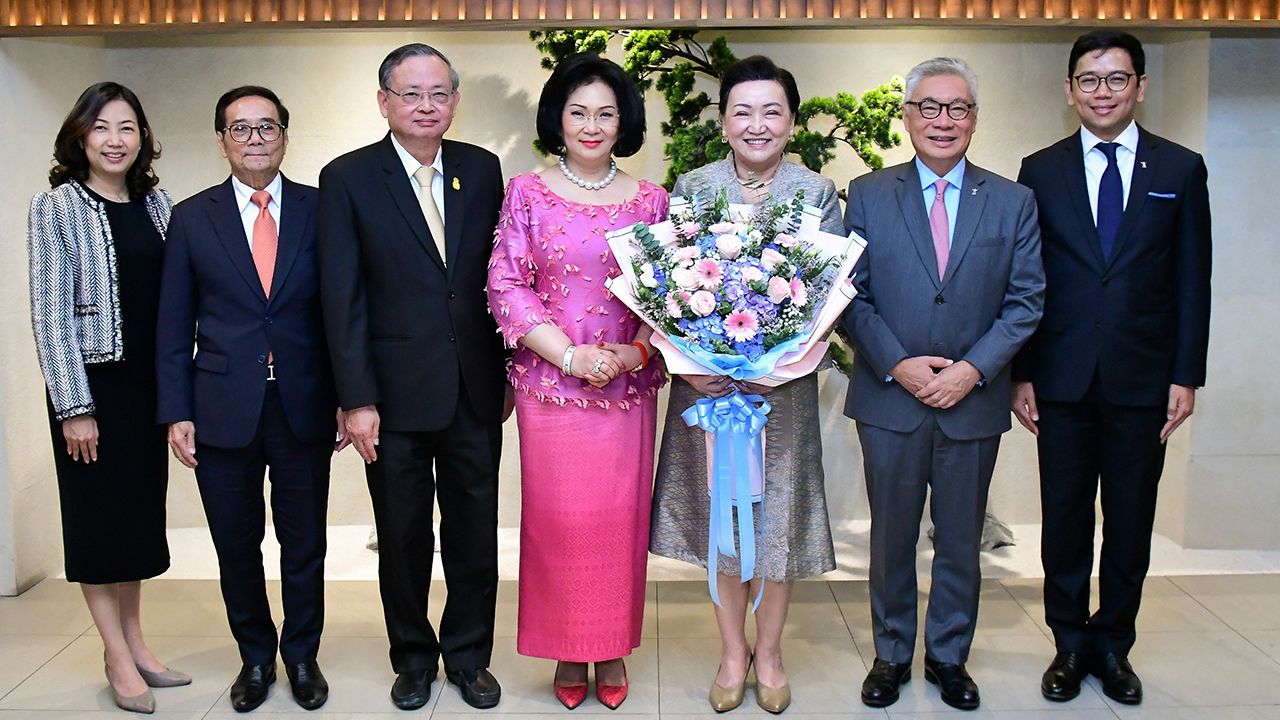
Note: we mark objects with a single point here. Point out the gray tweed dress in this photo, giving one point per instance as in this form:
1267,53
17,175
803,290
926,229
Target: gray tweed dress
793,534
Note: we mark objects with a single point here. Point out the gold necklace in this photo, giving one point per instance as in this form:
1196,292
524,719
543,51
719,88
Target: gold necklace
752,182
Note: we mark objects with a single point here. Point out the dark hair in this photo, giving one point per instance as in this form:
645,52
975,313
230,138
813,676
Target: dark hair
244,91
70,160
404,52
583,69
758,67
1105,40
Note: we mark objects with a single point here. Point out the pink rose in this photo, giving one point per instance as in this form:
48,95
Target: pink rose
771,259
752,274
779,290
702,303
685,278
785,240
686,254
721,228
690,230
708,272
799,294
673,304
730,246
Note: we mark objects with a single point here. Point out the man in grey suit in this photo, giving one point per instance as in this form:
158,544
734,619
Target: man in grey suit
948,290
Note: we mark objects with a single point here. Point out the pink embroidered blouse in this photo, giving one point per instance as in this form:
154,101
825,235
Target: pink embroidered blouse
549,264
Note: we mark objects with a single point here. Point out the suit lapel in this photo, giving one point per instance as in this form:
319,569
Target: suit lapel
398,185
454,208
973,198
293,220
911,205
224,216
1144,168
1075,182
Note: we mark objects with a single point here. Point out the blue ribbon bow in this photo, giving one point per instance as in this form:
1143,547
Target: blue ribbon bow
736,423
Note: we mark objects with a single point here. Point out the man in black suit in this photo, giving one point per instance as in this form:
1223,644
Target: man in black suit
420,366
1113,369
241,279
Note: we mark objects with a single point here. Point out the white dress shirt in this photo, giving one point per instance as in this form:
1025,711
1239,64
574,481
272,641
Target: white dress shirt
249,211
411,166
1095,162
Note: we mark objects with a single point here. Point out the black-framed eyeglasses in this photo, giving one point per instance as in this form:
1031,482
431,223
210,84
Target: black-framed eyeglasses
413,98
1116,81
243,132
930,109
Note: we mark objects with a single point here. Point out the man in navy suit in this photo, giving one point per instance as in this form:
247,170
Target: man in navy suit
240,279
1113,369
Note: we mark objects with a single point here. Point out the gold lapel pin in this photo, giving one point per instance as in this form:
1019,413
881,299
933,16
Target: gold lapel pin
456,185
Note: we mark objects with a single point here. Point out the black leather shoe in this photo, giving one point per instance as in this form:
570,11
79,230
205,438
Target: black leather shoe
1118,679
880,689
480,689
250,688
1061,682
958,689
306,681
412,688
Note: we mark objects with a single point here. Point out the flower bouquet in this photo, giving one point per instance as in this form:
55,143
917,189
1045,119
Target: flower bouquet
742,291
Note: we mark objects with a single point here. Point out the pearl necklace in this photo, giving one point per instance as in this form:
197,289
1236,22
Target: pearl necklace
585,185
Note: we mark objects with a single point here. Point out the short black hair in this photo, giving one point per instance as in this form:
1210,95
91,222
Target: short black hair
758,67
244,91
583,69
1105,40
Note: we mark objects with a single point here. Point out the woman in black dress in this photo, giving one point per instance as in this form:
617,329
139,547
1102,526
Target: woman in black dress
95,242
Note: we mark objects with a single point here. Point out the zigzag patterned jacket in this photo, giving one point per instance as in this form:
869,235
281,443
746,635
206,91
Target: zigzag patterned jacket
75,301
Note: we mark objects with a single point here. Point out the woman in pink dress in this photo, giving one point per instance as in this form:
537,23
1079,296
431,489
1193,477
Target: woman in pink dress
586,400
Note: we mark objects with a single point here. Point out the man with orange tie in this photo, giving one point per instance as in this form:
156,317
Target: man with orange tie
240,279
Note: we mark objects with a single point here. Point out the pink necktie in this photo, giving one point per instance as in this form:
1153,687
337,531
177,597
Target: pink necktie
938,224
264,240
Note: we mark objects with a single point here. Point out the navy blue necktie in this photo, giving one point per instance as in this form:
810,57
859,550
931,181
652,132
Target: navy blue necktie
1110,200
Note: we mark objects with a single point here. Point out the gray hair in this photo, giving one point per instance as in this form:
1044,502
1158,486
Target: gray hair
404,52
942,66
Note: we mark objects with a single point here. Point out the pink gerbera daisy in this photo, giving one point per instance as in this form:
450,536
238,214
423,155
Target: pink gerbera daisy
741,325
708,272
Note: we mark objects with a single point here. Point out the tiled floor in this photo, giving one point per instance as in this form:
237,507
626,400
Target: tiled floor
1209,647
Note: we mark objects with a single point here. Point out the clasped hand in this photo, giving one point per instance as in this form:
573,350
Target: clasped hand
614,359
950,384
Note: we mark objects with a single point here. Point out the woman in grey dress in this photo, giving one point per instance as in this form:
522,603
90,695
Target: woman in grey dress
758,104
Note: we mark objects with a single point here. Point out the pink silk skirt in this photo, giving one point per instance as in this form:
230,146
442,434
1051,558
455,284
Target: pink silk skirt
586,479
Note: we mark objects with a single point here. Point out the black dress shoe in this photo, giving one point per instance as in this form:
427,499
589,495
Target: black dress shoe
412,688
480,689
958,689
306,681
1061,682
880,689
1118,679
250,688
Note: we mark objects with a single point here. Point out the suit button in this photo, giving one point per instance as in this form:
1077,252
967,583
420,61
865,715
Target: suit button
939,300
1105,279
262,359
1097,324
267,319
451,338
452,295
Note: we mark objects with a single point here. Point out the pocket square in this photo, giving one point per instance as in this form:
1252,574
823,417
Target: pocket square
1166,196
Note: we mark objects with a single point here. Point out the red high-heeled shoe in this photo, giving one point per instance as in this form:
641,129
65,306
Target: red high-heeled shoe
570,695
611,696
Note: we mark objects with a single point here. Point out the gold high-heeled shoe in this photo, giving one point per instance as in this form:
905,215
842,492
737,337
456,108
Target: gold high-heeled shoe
773,700
725,699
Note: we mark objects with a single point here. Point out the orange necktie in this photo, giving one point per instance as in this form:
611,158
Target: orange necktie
264,240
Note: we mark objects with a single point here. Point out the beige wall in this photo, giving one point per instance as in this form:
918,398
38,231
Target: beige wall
328,81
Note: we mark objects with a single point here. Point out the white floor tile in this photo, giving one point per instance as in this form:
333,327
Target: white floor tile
23,655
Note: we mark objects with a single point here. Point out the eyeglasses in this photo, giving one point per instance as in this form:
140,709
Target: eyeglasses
605,118
413,98
1116,81
243,132
930,109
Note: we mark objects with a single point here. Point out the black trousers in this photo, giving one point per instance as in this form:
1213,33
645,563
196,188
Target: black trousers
1083,446
230,481
403,485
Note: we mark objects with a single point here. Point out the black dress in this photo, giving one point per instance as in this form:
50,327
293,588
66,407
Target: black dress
113,510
